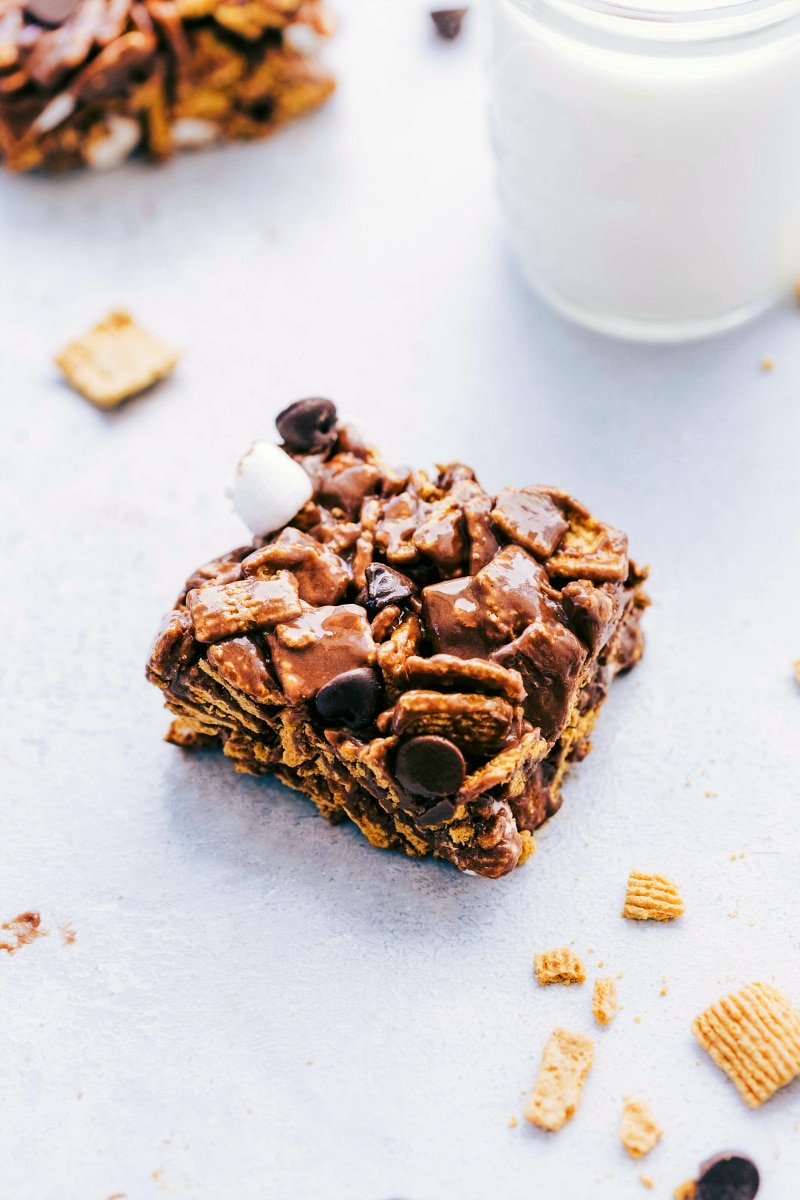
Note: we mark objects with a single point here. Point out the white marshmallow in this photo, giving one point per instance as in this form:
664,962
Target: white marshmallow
269,488
190,133
121,139
55,113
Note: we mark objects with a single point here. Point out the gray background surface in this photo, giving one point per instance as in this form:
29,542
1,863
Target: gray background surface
259,1006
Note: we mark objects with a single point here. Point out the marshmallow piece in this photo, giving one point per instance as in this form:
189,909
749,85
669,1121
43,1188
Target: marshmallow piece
269,488
122,136
190,133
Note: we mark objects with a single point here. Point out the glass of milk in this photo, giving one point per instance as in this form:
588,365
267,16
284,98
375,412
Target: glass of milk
649,157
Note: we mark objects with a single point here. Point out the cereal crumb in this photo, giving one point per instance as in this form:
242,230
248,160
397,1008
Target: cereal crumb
604,1000
638,1020
651,898
753,1035
664,990
647,1181
21,930
639,1131
796,665
767,363
711,795
512,1122
566,1061
115,360
685,1191
559,966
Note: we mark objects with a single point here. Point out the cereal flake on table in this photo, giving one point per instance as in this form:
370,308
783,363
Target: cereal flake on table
115,360
566,1061
753,1035
559,966
651,898
639,1131
605,1004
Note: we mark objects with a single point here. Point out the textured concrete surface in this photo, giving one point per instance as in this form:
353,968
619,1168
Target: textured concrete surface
258,1006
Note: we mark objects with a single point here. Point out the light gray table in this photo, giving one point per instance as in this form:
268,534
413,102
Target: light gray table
259,1007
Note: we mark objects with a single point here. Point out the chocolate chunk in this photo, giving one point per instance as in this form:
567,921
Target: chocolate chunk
728,1176
344,481
453,619
308,426
384,586
530,517
51,12
448,22
511,591
591,611
549,658
322,577
353,698
320,644
430,766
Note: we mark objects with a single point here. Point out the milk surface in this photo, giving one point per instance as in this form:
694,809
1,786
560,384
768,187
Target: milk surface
649,189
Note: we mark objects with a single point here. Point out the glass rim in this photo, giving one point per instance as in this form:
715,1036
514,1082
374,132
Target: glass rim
686,18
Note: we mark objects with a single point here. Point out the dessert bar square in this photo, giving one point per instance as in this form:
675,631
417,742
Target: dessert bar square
411,652
91,82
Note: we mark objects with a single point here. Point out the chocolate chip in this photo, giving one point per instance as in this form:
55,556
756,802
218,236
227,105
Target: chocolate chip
308,426
353,698
384,586
430,766
728,1176
51,12
448,22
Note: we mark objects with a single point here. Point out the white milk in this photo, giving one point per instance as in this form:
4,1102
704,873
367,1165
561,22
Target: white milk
649,164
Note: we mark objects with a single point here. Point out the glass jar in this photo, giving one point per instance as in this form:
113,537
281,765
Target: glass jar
649,157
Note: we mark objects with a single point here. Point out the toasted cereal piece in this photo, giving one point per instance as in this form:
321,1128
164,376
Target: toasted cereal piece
647,1181
115,360
753,1035
685,1191
639,1131
559,966
566,1061
651,898
604,1000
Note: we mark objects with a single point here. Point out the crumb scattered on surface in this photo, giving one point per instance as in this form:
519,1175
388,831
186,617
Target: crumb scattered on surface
651,898
664,990
69,935
638,1131
685,1191
638,1020
767,363
604,1000
512,1122
20,931
115,360
647,1181
753,1035
796,665
559,966
711,795
566,1061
